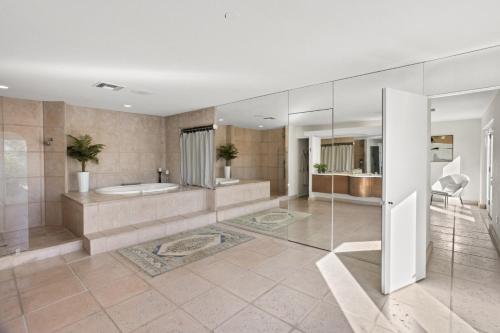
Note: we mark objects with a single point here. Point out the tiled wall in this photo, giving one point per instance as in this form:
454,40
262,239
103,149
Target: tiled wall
22,163
135,146
261,155
173,125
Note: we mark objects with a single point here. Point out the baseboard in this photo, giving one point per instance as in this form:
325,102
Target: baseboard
430,247
494,238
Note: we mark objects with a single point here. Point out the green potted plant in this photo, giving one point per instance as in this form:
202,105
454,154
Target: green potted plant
321,167
84,151
227,152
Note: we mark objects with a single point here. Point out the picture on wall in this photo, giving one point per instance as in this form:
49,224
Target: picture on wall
442,148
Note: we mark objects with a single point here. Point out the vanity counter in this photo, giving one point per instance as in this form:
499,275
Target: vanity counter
358,185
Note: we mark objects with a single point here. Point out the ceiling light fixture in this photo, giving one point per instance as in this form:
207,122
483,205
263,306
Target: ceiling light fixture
127,105
221,119
260,126
4,87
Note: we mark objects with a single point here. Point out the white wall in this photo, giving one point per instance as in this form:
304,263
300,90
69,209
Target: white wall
492,113
466,154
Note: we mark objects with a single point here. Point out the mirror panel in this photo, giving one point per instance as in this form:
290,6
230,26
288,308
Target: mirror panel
469,71
309,183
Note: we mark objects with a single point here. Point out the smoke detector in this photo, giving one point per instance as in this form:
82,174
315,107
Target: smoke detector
108,86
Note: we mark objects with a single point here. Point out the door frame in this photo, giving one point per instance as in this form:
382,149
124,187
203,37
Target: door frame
489,170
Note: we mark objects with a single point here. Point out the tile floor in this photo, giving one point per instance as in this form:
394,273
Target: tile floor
265,285
34,238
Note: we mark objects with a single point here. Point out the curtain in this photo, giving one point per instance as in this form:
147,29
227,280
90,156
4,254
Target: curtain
197,158
338,158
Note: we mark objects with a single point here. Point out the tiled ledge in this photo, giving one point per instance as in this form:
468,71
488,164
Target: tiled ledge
113,239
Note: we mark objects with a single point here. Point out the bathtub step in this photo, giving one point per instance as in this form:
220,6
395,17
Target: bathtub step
117,238
245,208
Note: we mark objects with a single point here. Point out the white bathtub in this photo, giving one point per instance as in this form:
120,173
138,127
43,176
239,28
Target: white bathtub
138,189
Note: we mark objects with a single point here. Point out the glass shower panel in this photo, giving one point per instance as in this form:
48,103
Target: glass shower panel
15,214
309,169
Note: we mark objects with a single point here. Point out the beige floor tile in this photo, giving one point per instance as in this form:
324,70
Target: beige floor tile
38,266
476,251
325,318
8,289
266,247
253,320
177,321
488,278
38,297
42,278
286,304
246,259
10,308
86,265
75,256
102,276
17,325
221,272
183,288
214,307
274,270
294,258
249,286
6,274
119,290
139,310
63,313
308,282
97,323
477,304
478,262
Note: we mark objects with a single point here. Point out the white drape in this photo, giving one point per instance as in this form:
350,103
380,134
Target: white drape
197,158
337,157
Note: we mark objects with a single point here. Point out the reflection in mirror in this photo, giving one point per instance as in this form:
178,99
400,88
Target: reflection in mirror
256,128
309,166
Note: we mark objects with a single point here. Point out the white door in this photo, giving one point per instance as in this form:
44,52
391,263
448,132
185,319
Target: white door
405,188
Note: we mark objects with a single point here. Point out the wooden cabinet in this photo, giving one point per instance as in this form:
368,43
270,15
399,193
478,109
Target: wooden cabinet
358,186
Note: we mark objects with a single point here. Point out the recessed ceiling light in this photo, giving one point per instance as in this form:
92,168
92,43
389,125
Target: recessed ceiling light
260,126
127,105
221,119
3,87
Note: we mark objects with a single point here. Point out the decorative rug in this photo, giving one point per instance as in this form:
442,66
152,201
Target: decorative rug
165,254
272,222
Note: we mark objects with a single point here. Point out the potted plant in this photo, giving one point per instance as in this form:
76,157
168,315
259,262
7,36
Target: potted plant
227,152
321,167
84,151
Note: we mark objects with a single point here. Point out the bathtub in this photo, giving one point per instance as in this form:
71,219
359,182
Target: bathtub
138,189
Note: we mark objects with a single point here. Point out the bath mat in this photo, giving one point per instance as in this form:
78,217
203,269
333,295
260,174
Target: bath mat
165,254
273,222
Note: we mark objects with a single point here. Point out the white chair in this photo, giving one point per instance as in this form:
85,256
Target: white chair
450,186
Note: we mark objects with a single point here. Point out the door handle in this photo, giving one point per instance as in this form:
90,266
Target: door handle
388,203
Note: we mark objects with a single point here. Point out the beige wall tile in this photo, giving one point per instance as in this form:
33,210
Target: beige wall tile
59,139
54,187
54,164
22,112
53,213
53,114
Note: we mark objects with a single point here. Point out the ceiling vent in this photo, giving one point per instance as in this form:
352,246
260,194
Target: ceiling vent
264,117
269,118
108,86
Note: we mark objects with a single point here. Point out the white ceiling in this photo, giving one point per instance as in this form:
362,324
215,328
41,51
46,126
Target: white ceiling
458,107
188,56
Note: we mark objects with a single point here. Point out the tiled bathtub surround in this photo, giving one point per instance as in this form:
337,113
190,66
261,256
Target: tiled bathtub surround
90,212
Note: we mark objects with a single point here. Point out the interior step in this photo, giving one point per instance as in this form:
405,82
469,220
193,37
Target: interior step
117,238
249,207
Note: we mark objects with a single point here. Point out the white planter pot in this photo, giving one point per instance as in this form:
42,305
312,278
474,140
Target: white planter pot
227,172
83,181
